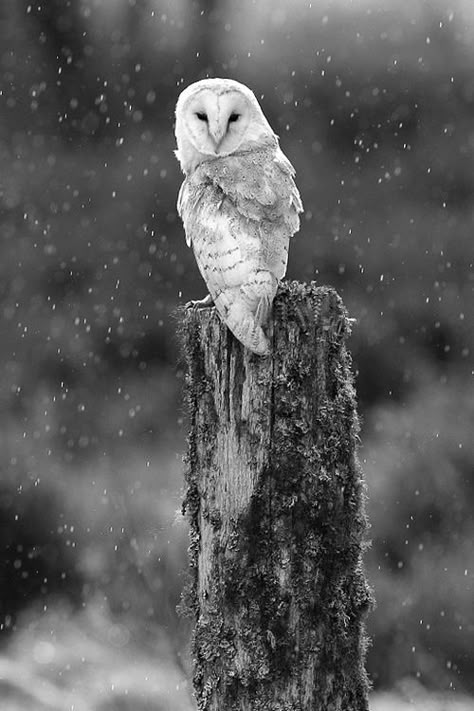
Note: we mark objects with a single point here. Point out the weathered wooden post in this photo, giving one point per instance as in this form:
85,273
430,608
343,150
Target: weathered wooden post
275,503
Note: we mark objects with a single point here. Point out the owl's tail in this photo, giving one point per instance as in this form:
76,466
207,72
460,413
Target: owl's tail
246,309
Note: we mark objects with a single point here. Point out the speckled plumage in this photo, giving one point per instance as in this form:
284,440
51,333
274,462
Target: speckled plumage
238,202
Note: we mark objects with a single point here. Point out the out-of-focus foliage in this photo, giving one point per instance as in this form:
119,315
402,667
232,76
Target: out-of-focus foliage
374,105
410,695
89,662
419,471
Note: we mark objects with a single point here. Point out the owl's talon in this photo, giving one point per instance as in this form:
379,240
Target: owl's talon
205,303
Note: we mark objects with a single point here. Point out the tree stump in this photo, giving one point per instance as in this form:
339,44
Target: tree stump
275,501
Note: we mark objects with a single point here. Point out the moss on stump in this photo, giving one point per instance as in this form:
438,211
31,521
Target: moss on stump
276,509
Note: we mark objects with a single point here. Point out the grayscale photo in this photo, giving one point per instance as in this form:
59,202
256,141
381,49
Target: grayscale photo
236,355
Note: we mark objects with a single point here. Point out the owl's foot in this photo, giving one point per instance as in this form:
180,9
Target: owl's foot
205,303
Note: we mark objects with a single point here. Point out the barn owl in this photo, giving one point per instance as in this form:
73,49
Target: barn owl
239,203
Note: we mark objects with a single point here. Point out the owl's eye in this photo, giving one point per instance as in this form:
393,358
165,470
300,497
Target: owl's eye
234,117
201,116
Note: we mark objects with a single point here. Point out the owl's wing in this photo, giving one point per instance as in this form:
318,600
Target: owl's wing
260,183
263,190
257,193
282,215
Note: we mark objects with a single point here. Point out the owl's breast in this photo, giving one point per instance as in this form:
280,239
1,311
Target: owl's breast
225,243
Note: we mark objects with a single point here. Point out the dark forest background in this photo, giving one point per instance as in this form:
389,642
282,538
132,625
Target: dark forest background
374,106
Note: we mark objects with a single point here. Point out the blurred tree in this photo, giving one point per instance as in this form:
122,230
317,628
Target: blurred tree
71,67
37,561
207,17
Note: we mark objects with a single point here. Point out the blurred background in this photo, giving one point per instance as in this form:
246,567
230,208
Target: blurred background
374,105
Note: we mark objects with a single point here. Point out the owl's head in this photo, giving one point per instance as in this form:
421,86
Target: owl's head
218,117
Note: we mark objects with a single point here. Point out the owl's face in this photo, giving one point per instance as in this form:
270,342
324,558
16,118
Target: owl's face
217,117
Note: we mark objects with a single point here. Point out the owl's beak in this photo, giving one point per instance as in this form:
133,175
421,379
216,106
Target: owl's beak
217,132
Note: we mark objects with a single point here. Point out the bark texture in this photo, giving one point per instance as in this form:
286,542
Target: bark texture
276,508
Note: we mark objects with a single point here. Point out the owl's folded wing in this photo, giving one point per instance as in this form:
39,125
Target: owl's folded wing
260,183
263,192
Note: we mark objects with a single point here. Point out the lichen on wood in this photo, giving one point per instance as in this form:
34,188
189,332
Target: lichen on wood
275,504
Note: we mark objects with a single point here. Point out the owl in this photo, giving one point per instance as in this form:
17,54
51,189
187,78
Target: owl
239,203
